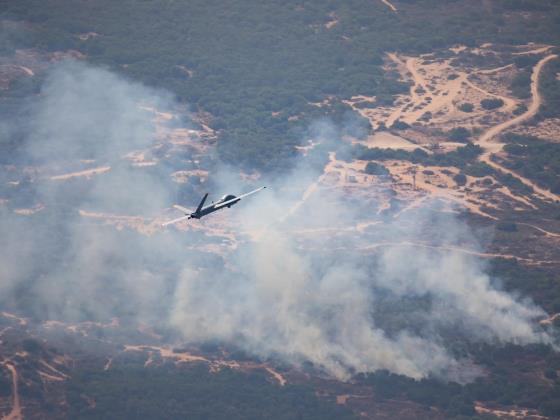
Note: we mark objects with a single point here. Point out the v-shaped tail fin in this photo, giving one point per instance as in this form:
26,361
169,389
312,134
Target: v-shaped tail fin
201,203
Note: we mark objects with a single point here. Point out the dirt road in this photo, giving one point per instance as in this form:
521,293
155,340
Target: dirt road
389,5
490,147
88,173
15,414
418,106
451,248
509,103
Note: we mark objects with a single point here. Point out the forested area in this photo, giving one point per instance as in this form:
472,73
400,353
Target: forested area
506,385
535,159
525,376
550,90
132,392
464,158
258,66
263,71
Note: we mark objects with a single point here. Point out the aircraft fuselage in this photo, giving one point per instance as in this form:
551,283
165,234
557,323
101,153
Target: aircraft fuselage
215,206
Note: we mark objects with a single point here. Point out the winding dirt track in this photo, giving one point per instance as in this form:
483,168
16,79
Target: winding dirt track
451,248
389,5
15,414
509,103
490,147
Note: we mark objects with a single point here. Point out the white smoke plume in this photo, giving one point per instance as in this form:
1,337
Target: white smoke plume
302,284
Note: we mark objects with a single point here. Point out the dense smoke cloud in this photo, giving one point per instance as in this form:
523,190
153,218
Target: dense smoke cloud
298,287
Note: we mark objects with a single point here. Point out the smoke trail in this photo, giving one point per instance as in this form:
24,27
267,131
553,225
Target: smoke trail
301,285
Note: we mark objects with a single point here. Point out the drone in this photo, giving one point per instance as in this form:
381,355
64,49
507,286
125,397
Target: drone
225,202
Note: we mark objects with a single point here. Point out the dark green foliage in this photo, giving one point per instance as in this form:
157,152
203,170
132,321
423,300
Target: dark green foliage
384,100
134,392
373,168
490,104
535,159
512,182
550,89
460,179
32,346
400,125
460,157
478,169
507,227
466,107
451,397
251,58
5,382
521,84
520,109
544,286
526,61
459,134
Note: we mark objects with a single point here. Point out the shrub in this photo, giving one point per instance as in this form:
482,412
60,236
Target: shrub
459,134
507,226
466,107
374,168
490,104
551,373
460,179
31,346
400,125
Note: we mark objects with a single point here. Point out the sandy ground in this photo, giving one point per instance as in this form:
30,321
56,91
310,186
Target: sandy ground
509,103
141,224
332,23
452,249
214,364
433,91
548,129
534,51
437,88
87,35
486,140
386,140
306,149
30,211
88,173
510,414
182,177
496,70
389,5
546,232
27,70
15,414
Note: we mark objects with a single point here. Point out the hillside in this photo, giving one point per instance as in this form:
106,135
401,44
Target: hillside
403,262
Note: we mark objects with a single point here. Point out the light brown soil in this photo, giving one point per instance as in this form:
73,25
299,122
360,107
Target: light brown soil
514,413
389,5
88,173
486,141
533,51
214,364
15,414
332,23
452,249
31,211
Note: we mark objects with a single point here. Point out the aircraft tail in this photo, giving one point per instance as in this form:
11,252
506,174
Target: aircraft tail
201,203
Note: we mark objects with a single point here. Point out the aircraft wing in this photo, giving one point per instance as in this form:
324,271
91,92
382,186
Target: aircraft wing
183,209
225,203
175,220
